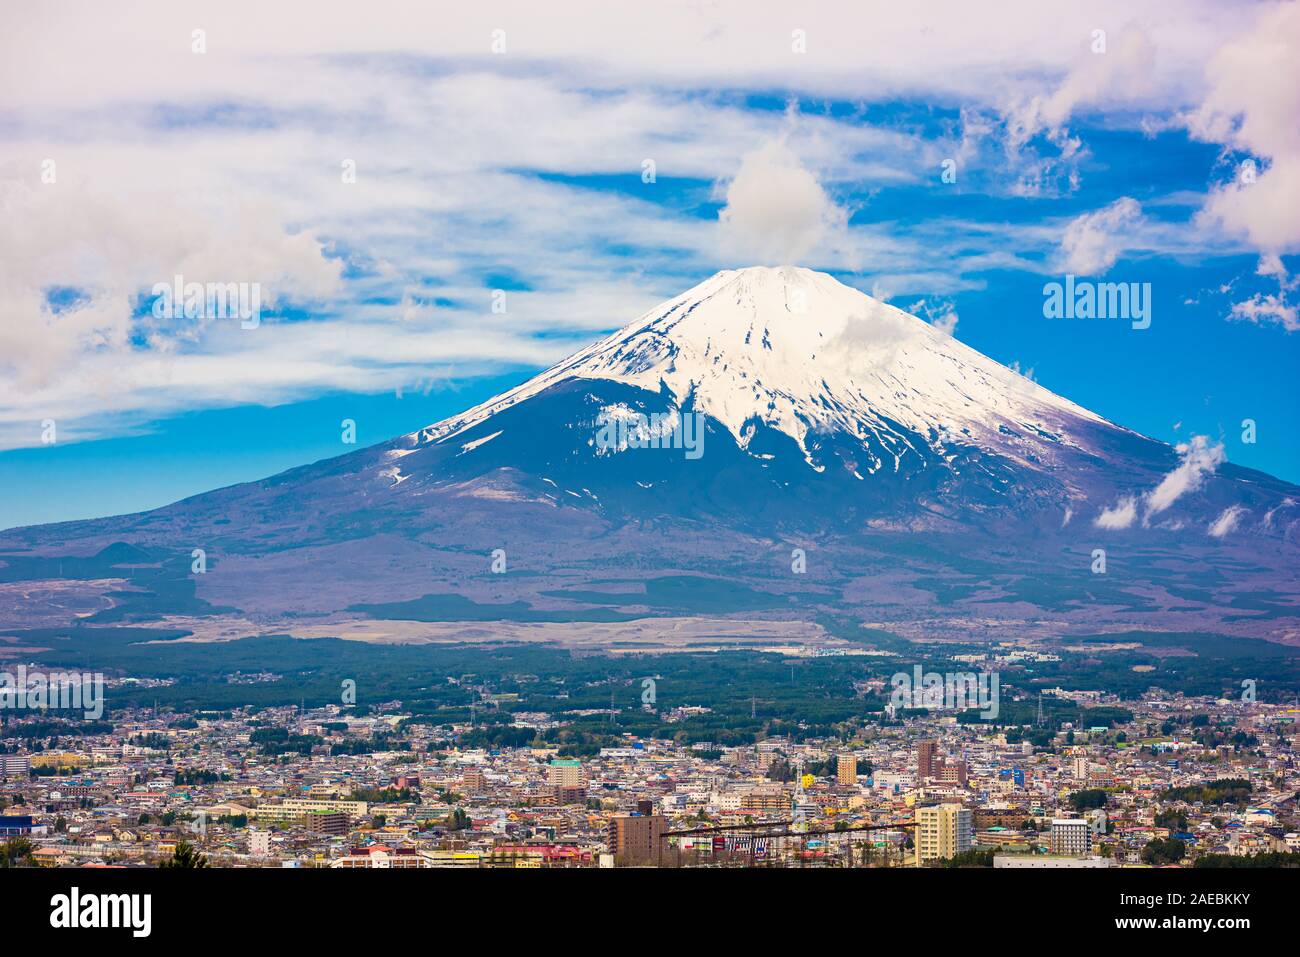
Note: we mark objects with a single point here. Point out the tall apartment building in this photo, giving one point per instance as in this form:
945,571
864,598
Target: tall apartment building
942,831
259,843
473,780
566,774
634,838
931,766
768,753
1070,836
926,752
846,769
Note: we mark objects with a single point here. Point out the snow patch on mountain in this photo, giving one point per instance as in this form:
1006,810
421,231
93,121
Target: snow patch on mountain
472,445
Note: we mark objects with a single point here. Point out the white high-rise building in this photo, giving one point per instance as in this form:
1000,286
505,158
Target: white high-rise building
1071,836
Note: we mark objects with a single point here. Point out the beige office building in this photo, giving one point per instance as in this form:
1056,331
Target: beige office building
942,831
846,769
565,774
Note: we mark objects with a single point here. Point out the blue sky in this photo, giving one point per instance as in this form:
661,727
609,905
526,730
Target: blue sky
1168,156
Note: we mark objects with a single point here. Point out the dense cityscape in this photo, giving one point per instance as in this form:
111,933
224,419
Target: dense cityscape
1176,781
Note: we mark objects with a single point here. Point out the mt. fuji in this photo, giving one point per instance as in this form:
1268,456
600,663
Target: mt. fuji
818,394
919,485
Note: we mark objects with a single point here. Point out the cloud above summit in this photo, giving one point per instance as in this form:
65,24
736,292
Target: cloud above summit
776,211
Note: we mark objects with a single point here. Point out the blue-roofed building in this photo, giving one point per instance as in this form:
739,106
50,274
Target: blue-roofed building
15,825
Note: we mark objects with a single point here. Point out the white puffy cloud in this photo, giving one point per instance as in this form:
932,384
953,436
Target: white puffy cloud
873,340
1251,105
1120,515
1266,308
777,211
1271,307
1199,459
1107,67
1094,241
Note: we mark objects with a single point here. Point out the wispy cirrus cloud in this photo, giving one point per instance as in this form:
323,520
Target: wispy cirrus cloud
1094,241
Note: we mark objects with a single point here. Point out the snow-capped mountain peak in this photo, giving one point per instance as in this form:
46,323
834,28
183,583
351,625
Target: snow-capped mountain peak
800,352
